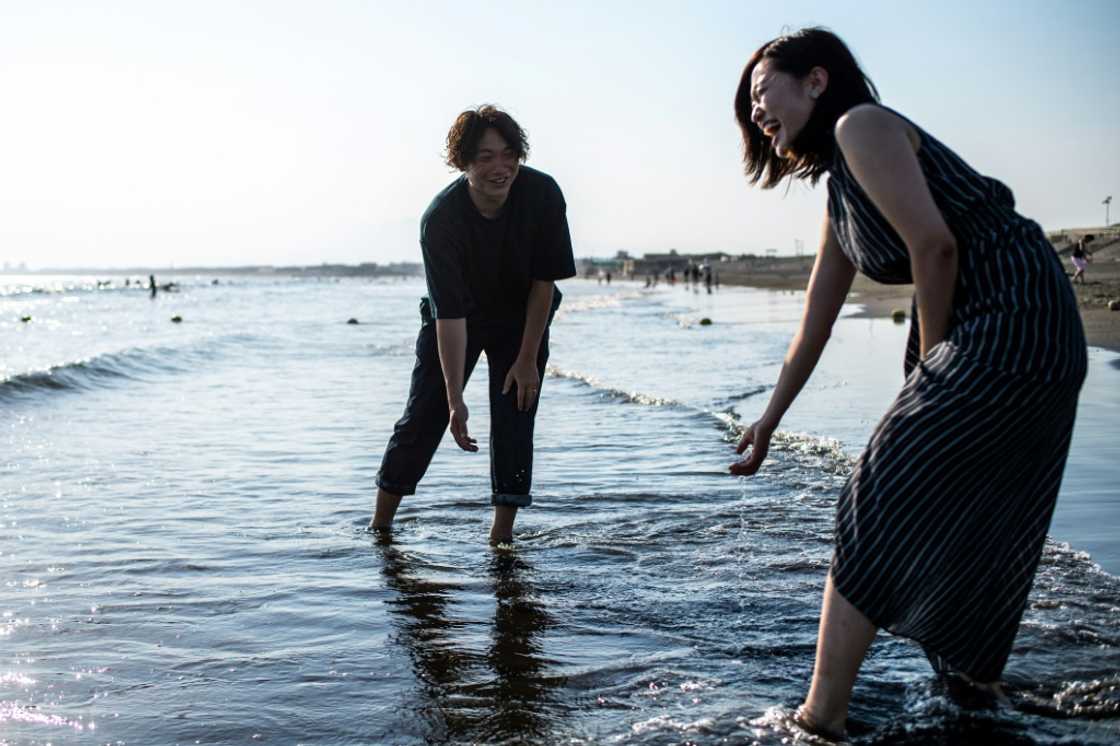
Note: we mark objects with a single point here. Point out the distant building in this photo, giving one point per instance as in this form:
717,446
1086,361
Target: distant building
659,264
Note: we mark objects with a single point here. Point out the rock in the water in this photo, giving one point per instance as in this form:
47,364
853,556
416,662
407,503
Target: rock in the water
705,321
898,315
351,321
177,319
25,319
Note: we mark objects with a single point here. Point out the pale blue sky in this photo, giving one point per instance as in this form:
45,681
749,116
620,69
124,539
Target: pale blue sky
282,132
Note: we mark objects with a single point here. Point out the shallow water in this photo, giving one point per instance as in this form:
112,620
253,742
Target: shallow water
183,556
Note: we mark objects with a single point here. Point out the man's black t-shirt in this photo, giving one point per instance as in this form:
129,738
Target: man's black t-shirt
482,269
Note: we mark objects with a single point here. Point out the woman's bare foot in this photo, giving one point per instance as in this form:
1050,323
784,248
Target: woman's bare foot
993,689
810,724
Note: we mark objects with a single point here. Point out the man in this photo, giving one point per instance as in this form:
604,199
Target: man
493,243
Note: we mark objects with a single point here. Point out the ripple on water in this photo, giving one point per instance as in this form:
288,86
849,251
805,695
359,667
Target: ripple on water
188,559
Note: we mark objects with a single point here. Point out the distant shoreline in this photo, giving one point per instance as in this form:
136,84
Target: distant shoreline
1102,326
369,269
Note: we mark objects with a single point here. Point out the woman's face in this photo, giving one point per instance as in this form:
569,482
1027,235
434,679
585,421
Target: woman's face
782,104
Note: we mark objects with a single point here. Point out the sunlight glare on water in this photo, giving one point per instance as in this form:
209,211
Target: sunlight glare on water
183,553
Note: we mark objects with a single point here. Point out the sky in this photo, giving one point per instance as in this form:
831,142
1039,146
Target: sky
173,134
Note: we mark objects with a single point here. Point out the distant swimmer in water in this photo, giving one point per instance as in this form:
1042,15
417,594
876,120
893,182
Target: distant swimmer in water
940,527
493,243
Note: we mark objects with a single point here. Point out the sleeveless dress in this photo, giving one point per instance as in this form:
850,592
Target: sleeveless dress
940,527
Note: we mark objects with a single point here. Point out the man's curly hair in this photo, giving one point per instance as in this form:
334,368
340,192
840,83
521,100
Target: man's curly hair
471,125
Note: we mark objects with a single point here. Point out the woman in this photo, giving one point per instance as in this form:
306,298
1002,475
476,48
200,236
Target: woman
941,525
1081,256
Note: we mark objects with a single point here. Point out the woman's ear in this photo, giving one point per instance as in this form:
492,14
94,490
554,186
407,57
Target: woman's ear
816,82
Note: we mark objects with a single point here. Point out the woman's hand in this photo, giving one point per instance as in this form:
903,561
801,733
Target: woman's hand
757,437
458,422
828,287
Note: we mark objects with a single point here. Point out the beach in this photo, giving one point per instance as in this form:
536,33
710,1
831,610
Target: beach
183,511
1102,286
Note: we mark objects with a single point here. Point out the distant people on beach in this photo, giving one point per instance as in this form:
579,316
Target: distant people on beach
493,243
153,288
941,525
1081,257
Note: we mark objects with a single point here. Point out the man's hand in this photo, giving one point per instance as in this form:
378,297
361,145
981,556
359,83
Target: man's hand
458,422
528,380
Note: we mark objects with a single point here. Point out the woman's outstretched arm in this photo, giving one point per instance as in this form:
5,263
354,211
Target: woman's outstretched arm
828,287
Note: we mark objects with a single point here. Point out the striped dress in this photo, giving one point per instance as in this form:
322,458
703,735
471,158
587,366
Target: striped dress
940,528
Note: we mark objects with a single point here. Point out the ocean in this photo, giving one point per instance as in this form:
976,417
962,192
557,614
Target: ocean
184,559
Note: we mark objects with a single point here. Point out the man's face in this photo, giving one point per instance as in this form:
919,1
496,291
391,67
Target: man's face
491,173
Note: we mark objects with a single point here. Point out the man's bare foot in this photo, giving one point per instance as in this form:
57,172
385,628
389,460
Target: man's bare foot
384,510
501,530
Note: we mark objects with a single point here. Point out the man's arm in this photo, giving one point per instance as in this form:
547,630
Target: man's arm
451,336
524,371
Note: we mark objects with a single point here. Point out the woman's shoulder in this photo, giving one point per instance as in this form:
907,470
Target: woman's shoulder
864,127
871,121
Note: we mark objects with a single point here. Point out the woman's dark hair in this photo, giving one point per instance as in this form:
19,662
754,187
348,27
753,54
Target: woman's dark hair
812,151
471,125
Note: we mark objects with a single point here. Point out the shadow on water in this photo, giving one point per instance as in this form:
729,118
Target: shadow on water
495,693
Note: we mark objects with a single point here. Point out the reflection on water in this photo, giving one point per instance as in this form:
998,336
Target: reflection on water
200,575
494,695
